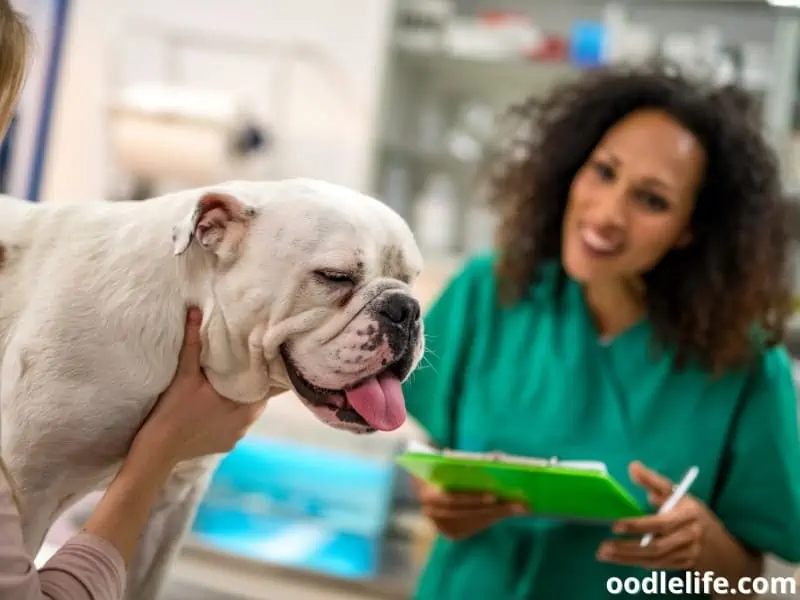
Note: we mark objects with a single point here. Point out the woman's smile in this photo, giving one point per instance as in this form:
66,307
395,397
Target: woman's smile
601,244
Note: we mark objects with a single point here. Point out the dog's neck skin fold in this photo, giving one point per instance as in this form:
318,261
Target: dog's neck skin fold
222,359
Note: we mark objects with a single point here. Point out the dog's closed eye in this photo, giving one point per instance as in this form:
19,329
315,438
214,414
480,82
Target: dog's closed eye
334,277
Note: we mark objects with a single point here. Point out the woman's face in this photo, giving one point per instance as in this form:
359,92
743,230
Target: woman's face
632,201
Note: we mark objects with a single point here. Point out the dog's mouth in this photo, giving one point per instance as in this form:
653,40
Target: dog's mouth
374,403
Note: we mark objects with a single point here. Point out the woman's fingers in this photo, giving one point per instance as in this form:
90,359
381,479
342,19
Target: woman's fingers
476,512
189,355
656,484
430,494
659,524
660,547
438,503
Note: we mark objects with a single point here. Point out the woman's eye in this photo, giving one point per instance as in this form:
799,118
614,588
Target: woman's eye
654,202
337,277
604,171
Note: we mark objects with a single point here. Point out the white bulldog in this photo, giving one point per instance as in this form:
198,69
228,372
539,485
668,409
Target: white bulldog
304,285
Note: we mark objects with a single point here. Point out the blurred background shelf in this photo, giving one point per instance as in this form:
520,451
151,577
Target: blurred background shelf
497,79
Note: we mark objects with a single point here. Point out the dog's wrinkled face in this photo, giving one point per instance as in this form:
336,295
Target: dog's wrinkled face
314,280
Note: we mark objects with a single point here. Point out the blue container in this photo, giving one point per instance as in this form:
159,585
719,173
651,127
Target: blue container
298,506
587,39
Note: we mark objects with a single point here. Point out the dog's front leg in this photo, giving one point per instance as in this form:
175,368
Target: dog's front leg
169,521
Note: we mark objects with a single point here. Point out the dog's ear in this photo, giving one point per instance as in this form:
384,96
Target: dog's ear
218,222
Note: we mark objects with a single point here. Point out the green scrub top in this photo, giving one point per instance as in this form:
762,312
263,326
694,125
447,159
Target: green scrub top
536,380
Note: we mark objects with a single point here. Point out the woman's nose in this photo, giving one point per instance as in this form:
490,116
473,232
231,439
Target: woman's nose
609,207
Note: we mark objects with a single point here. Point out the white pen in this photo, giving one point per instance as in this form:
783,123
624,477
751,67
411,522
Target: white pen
677,493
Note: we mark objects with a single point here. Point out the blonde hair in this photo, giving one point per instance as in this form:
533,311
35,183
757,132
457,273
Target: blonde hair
14,42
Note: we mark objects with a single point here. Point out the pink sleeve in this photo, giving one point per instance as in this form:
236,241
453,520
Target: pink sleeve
85,568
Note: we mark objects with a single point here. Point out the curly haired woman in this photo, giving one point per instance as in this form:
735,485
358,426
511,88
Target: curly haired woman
631,313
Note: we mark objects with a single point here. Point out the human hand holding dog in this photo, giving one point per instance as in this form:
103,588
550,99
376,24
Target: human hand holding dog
191,419
461,515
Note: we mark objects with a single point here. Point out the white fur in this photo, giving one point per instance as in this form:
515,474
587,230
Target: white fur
92,314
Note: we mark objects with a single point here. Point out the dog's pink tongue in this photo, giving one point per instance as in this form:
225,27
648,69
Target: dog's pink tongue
380,402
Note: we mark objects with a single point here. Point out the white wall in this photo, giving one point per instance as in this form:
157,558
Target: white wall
324,102
75,162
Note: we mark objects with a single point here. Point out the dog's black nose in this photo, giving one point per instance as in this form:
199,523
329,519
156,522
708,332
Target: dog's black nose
400,309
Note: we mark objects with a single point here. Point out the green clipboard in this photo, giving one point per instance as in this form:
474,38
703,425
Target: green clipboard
570,490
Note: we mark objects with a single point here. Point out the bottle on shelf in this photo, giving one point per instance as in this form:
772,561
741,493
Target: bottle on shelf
479,228
395,188
435,220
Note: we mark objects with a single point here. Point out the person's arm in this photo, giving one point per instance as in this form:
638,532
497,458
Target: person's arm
92,564
85,568
120,516
758,500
